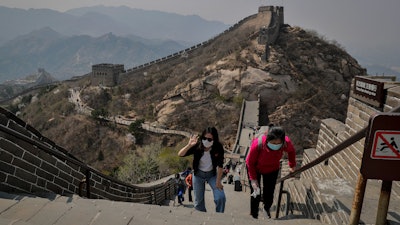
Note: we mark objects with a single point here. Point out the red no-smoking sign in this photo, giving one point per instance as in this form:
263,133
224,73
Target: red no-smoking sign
381,158
386,145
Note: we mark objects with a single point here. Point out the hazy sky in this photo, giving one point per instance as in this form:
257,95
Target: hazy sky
342,20
356,24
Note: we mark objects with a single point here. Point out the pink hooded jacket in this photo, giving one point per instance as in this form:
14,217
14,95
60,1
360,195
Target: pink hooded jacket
265,160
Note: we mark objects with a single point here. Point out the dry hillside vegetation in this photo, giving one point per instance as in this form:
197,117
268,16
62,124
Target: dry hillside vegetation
304,80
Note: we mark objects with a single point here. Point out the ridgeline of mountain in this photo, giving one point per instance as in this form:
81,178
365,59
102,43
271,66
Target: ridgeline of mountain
66,57
67,44
42,77
153,24
304,80
10,89
98,20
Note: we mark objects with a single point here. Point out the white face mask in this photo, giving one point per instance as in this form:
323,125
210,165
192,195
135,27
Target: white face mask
207,143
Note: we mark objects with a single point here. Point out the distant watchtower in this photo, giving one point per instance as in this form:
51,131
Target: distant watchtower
106,74
269,33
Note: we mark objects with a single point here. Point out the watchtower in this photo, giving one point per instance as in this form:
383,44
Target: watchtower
269,33
106,74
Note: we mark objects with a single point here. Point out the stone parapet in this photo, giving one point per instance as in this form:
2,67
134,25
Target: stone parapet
31,163
345,165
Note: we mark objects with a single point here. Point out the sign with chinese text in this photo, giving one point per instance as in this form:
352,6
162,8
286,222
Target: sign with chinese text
369,90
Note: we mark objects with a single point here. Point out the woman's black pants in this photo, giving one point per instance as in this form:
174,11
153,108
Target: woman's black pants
268,188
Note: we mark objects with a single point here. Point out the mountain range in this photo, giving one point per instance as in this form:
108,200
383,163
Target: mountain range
304,80
67,44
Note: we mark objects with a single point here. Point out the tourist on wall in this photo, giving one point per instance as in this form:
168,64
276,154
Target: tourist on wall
189,184
180,189
208,159
263,161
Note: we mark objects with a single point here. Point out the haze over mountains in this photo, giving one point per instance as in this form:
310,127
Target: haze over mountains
67,44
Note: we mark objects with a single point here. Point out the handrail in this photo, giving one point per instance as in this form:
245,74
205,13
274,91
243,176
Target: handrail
351,140
88,171
338,148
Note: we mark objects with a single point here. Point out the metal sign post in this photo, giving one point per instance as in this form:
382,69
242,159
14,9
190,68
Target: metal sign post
384,200
380,159
358,200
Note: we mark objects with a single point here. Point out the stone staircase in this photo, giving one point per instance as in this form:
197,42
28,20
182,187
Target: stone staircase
52,209
321,194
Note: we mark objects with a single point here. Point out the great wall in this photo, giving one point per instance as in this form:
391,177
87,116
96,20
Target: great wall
321,190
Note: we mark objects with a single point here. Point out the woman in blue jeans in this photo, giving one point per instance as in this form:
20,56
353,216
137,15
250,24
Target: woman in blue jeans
208,159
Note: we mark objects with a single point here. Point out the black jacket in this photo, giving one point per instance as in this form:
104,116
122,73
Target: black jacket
216,152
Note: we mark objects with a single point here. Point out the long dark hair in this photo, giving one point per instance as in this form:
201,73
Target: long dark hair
210,130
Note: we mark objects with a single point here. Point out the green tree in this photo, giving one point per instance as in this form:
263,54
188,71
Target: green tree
171,163
141,166
100,115
104,97
135,128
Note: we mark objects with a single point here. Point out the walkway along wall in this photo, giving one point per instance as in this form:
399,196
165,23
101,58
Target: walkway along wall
31,163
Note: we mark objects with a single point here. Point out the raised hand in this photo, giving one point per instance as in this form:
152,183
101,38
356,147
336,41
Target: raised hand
193,139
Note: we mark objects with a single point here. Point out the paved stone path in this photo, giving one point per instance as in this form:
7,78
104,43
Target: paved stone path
68,210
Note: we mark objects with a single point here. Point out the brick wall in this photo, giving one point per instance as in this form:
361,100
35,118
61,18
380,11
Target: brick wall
31,163
346,164
310,194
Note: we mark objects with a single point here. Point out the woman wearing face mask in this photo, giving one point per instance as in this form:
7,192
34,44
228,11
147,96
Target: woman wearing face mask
264,161
208,159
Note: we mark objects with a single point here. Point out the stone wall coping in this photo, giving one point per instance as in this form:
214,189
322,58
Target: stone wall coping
394,91
334,125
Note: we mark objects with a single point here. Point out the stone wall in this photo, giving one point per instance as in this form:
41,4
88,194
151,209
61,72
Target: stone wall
106,74
31,163
347,163
272,34
341,171
269,34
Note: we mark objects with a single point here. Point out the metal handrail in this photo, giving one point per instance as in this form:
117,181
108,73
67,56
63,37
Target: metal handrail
288,202
338,148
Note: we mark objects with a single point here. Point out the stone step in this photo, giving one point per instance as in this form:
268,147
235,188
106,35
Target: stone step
330,200
297,192
32,210
335,187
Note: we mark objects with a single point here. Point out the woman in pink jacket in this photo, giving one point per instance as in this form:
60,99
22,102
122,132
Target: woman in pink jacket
264,161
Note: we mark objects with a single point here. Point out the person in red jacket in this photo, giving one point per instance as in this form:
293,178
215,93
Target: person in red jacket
263,160
189,184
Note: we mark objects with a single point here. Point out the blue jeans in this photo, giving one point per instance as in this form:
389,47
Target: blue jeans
180,196
199,186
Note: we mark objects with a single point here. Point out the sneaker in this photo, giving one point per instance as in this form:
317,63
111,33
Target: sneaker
267,214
